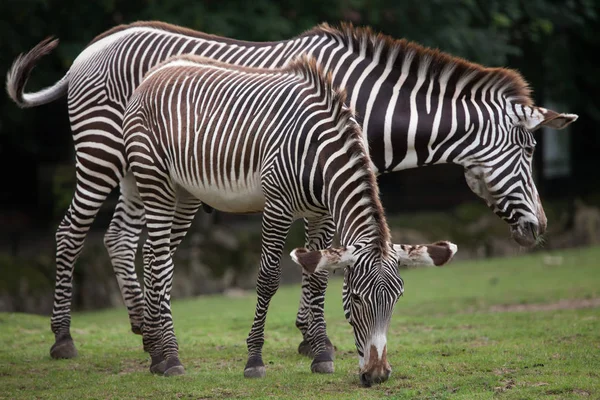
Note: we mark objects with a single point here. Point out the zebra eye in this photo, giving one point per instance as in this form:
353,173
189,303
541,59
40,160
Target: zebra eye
529,150
355,297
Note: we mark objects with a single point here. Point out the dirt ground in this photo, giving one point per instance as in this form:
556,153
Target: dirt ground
566,304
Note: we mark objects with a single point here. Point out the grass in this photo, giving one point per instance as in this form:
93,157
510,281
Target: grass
454,335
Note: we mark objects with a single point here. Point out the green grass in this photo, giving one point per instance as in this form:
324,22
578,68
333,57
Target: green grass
447,340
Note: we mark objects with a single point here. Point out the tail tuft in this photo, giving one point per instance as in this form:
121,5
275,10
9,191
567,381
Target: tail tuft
17,77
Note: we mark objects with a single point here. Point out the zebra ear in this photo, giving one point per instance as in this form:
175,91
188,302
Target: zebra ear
438,253
537,117
328,259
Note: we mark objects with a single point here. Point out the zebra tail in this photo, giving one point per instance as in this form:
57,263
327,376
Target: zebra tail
17,76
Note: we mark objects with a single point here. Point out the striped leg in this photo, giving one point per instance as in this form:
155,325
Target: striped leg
158,331
70,236
146,342
187,207
311,318
275,226
318,235
121,241
186,210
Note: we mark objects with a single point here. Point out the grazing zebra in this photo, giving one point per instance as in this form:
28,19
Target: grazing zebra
417,107
280,141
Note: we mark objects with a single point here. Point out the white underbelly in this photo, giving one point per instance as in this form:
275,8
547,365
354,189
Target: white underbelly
230,196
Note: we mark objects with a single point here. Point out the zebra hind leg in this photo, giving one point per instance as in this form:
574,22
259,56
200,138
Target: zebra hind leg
70,237
275,226
121,241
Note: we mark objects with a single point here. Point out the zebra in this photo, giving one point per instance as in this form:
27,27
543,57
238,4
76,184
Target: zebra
276,141
417,107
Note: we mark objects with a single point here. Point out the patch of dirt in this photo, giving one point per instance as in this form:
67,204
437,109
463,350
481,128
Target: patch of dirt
567,304
504,371
480,342
130,366
581,392
506,385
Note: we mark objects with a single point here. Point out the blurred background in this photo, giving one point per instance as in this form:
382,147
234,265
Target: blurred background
552,43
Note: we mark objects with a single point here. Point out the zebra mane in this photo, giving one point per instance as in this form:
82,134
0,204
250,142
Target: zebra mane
344,119
368,181
368,42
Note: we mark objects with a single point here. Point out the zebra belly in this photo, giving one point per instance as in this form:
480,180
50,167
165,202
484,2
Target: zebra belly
234,197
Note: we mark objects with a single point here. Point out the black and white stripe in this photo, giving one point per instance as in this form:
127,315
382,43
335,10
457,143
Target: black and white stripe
417,107
246,140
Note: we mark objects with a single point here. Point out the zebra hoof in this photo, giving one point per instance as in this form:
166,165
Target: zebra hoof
159,368
64,348
136,329
175,370
304,348
323,367
255,372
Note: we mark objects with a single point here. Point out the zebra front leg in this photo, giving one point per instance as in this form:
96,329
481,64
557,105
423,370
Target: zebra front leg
159,365
304,317
158,330
121,242
70,237
275,227
187,207
184,216
319,235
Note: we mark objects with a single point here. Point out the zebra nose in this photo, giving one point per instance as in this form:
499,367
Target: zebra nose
534,229
369,378
365,379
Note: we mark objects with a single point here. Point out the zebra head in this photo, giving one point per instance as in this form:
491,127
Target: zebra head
372,286
501,172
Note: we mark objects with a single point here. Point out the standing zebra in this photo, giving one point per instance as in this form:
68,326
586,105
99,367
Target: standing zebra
416,106
278,141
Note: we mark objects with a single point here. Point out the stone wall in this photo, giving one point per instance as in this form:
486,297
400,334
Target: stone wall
223,257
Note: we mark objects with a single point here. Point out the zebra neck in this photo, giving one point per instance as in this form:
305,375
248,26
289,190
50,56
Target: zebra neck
409,117
350,193
405,127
